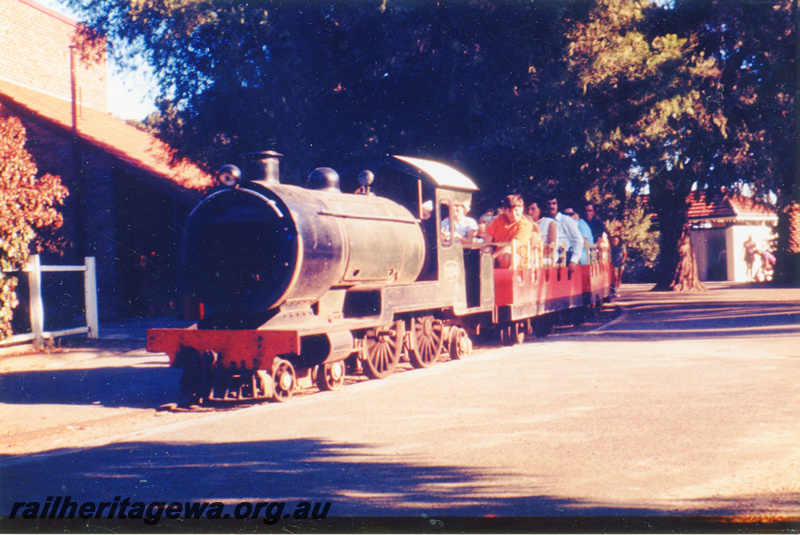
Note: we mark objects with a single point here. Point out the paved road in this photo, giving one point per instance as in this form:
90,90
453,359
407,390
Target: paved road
686,405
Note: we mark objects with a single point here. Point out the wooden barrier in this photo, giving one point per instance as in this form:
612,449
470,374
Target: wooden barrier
38,334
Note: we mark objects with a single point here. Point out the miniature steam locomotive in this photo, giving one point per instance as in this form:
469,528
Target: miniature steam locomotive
316,283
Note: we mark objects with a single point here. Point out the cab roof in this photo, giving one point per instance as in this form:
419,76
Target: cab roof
437,173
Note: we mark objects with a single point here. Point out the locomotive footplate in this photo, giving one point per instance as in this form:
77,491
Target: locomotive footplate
250,349
230,365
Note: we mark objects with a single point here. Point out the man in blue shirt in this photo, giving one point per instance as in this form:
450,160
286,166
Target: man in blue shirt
598,229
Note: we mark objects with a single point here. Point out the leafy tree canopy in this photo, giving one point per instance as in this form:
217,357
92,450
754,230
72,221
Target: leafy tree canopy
320,82
520,94
694,96
29,207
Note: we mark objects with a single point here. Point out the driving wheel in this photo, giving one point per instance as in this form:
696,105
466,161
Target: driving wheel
428,341
381,352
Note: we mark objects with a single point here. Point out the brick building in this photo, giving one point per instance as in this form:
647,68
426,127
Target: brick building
127,203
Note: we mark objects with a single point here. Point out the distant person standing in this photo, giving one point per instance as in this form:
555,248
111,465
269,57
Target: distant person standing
750,251
618,256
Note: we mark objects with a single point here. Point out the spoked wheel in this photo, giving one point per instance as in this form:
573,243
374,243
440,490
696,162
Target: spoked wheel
428,341
381,351
460,344
512,333
284,380
330,376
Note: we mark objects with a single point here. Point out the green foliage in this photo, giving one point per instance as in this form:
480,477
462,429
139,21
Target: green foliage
569,95
467,82
692,94
28,204
631,219
641,240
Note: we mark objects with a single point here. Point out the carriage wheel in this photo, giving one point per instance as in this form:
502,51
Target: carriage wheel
512,333
284,380
428,336
381,352
330,376
460,344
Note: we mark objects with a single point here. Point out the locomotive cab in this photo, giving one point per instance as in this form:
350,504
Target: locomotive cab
430,189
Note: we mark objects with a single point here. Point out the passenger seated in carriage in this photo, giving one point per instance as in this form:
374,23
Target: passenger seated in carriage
548,232
510,226
483,223
536,247
585,231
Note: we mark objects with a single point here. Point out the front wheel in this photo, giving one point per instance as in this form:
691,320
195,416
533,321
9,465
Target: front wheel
284,380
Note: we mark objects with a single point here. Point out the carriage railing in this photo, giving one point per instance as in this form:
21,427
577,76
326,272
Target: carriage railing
537,257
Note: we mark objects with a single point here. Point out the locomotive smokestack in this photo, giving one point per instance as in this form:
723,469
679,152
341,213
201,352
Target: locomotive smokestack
264,166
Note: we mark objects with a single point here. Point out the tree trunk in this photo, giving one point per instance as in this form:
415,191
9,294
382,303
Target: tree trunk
677,265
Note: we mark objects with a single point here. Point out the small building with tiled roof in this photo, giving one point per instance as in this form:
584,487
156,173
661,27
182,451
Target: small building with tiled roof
720,225
127,203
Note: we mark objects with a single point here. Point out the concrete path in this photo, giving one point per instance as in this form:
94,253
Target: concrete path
686,406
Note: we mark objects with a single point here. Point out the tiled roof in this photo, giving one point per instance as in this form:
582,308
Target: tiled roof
114,136
724,205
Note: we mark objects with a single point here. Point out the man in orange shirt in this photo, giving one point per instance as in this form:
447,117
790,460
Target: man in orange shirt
510,225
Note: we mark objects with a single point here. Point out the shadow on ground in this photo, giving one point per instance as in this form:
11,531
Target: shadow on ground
357,484
134,387
704,319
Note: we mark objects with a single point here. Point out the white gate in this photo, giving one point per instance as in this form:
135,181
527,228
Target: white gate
34,268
